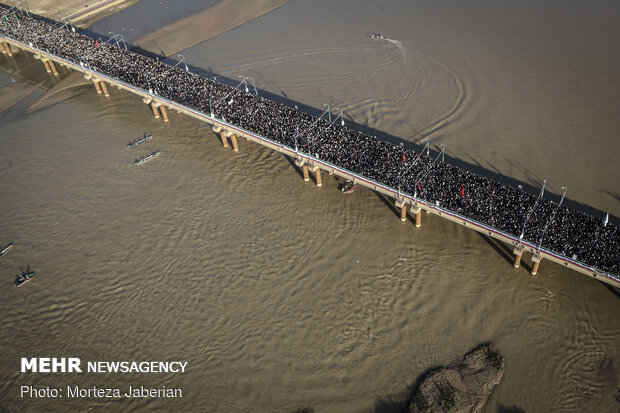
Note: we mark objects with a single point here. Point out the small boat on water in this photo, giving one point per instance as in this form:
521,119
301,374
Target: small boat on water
24,277
137,142
146,158
377,36
348,186
6,250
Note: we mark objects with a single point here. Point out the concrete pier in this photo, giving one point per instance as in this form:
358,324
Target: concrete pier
301,163
233,140
400,203
317,174
164,114
518,252
155,110
48,69
6,49
104,87
224,140
536,259
52,67
417,211
97,86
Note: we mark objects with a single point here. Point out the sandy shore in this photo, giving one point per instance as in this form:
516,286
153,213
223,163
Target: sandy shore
82,13
220,18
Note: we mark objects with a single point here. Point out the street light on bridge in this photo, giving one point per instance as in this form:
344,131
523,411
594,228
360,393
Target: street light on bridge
529,214
542,236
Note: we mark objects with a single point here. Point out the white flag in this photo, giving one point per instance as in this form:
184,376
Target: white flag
606,220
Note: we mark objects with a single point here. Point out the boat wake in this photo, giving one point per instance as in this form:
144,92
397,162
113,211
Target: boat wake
401,48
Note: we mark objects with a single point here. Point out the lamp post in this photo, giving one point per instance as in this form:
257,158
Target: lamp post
527,218
542,236
425,173
184,62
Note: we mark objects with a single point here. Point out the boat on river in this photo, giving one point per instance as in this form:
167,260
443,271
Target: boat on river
6,250
377,36
24,277
146,158
137,142
348,186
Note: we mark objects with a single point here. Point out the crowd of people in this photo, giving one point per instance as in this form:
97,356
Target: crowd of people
534,219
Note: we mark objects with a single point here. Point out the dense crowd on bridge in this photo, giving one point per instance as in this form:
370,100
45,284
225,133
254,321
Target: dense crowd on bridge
567,232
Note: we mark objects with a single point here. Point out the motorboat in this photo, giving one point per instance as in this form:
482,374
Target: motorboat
377,36
137,142
24,277
348,186
6,250
146,158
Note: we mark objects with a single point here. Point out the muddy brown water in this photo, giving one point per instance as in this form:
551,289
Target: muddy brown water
280,295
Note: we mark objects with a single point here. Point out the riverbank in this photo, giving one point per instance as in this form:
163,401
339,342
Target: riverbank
82,13
213,21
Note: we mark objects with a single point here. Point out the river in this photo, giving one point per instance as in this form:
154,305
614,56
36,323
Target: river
281,295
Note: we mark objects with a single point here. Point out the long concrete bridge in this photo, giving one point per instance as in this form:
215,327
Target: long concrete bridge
305,161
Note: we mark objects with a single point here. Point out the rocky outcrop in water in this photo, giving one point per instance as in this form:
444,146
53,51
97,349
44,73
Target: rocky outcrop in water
462,387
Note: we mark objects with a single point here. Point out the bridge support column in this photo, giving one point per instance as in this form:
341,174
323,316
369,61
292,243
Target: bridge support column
155,110
417,211
2,48
224,139
219,130
48,69
304,167
97,86
536,259
6,49
164,114
317,175
518,251
400,203
104,87
233,140
53,67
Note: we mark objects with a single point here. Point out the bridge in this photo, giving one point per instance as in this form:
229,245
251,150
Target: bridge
416,181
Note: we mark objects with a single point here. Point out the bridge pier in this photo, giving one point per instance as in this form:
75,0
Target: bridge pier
400,203
104,88
219,130
536,259
233,140
317,175
304,167
48,69
417,211
164,114
6,49
155,110
518,252
53,67
97,86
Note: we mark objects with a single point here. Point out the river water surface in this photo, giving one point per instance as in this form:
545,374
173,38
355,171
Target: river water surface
281,295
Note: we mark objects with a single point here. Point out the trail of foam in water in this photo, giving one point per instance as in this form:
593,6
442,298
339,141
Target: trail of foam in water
401,48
